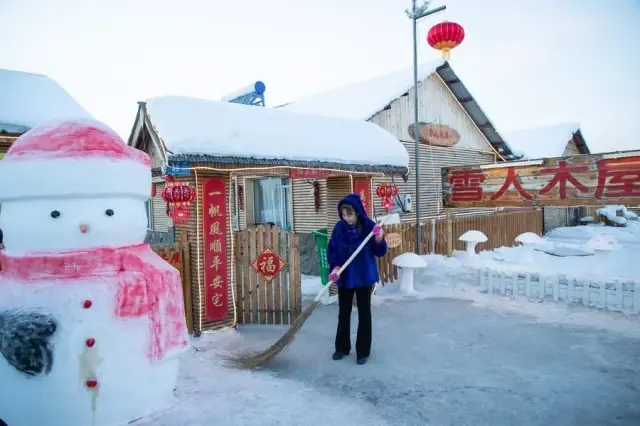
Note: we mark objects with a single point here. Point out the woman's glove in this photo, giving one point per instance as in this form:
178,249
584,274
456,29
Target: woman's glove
378,232
334,276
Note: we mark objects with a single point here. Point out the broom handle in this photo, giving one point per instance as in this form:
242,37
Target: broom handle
325,289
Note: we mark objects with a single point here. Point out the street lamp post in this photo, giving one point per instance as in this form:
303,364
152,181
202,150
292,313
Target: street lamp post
418,12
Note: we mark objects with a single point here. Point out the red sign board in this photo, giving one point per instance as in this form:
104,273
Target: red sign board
215,229
308,174
569,181
268,264
362,186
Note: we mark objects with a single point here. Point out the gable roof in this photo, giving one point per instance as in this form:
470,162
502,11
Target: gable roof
363,100
546,141
199,130
27,100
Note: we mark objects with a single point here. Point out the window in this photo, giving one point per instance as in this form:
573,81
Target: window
271,201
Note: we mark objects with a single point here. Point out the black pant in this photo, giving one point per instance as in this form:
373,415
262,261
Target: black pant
343,334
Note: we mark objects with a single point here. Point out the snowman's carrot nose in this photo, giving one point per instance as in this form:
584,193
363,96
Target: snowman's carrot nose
84,228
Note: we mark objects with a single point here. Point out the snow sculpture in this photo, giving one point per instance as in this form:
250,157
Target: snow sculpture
91,319
472,238
529,240
408,263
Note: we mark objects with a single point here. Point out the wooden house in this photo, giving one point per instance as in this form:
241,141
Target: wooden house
27,100
455,130
247,164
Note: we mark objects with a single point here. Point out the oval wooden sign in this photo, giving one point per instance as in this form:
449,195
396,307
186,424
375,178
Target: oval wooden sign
436,134
394,240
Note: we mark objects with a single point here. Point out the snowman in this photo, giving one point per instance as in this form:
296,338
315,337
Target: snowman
91,319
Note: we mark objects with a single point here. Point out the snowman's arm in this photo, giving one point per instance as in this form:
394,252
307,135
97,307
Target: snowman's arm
25,340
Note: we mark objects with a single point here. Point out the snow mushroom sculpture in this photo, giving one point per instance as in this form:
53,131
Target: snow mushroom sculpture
91,319
472,238
529,240
408,263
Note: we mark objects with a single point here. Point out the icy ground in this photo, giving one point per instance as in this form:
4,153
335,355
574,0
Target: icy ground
453,357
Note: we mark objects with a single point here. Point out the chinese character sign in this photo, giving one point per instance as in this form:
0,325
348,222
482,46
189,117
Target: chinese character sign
268,264
570,181
362,186
308,174
215,229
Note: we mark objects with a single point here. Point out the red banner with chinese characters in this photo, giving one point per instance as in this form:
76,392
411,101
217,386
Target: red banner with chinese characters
569,181
215,229
308,174
362,186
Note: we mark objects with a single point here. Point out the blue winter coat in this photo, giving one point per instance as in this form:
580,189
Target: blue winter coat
345,239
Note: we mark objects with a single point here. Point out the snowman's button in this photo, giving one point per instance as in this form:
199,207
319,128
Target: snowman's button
92,383
87,304
90,342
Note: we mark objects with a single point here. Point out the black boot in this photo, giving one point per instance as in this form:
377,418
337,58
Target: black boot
362,361
337,356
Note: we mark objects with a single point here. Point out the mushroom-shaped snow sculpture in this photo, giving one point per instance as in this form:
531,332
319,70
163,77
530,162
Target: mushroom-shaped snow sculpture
472,238
408,262
528,240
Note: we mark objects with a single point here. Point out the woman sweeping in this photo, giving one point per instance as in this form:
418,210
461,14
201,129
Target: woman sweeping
358,278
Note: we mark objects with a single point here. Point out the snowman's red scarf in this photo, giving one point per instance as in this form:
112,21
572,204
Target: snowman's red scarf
155,289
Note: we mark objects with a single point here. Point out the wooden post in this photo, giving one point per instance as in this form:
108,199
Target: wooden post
449,232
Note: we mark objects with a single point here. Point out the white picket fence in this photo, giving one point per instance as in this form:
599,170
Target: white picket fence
615,295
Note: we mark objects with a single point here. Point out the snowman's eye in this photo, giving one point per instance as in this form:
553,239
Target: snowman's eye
55,214
109,212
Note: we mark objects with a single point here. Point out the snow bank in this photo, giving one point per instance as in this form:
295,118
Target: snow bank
611,213
222,129
31,99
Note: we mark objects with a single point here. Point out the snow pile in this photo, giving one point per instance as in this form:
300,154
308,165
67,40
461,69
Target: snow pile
361,101
616,214
542,142
628,237
222,129
31,99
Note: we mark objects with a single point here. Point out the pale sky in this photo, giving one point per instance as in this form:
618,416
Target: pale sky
527,63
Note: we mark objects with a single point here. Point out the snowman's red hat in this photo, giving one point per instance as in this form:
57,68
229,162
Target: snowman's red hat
81,158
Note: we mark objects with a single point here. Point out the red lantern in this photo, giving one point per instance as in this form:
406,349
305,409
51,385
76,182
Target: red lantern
445,36
153,190
387,192
178,196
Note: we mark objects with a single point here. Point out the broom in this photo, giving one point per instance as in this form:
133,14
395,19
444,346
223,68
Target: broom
256,360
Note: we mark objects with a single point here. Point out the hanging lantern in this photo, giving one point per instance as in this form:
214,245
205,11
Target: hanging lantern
153,190
178,196
386,192
445,36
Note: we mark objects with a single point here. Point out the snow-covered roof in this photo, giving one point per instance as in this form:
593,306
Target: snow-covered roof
363,100
545,141
27,100
204,130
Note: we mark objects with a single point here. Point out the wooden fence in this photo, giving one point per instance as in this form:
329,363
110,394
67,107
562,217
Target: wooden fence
440,236
178,256
259,301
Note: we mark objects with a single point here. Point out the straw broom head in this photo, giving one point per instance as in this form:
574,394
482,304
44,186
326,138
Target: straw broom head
259,359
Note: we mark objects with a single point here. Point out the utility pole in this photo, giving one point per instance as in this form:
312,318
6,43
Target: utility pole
418,12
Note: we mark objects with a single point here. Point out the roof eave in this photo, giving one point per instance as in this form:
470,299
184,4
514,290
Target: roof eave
275,162
473,110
